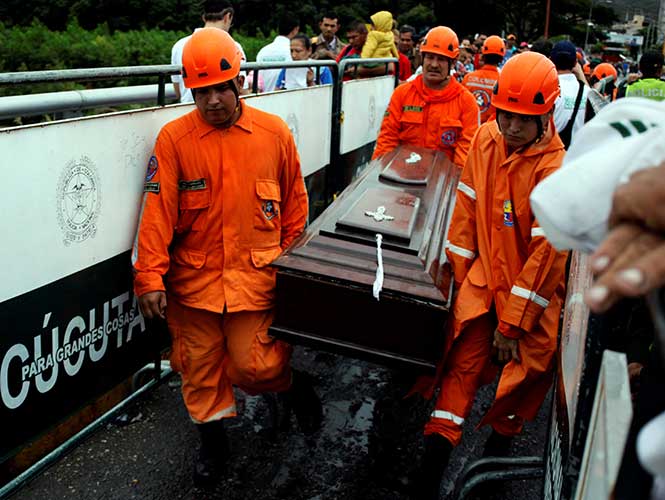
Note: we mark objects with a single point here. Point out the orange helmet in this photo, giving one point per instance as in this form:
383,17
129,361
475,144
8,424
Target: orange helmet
210,57
603,70
441,40
494,45
527,85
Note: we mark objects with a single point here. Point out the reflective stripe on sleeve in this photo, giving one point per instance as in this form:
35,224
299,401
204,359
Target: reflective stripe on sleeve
446,415
462,252
470,192
537,231
529,295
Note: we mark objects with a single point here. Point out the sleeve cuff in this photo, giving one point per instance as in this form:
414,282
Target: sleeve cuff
510,331
148,282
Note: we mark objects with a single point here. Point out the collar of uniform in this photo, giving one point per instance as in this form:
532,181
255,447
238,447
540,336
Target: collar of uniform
244,122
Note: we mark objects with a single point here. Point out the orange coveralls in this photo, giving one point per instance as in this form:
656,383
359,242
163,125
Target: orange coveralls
219,206
435,119
507,275
481,84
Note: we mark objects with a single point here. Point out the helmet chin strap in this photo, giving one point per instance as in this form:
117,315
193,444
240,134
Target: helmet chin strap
539,136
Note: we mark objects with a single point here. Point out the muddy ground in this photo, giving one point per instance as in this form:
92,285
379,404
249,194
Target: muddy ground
367,450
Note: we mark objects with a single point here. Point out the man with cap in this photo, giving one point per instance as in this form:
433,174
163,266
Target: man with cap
508,279
570,106
223,197
511,42
433,110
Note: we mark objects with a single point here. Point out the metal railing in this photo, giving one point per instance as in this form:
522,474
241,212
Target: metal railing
80,100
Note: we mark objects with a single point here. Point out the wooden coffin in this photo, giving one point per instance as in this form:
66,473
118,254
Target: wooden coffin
325,278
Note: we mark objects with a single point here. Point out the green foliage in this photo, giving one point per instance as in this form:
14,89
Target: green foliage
419,16
36,48
252,45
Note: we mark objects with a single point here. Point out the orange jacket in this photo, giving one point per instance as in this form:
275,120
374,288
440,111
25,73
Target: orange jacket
481,84
445,120
500,256
219,206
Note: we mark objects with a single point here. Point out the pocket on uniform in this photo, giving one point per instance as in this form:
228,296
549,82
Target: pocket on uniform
193,209
267,214
476,275
262,257
412,117
187,257
450,132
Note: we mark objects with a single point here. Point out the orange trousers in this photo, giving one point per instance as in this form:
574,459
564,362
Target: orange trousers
213,352
467,367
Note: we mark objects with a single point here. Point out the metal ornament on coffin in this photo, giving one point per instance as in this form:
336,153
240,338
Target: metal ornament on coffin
384,234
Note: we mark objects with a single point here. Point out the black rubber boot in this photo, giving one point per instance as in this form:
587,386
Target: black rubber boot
435,460
497,445
214,450
304,402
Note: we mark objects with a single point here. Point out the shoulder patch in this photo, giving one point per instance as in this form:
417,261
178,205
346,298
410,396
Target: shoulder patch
193,185
152,168
151,187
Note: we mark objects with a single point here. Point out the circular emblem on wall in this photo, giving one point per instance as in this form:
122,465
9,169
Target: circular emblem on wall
79,200
483,99
371,111
292,122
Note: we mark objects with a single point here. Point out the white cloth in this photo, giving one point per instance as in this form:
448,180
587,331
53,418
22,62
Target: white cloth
176,58
573,204
279,50
295,78
378,280
651,446
565,103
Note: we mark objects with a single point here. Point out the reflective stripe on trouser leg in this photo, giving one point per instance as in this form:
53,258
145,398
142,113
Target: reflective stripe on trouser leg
462,376
197,353
256,362
510,425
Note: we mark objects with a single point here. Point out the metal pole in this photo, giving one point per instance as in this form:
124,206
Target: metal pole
547,19
588,23
77,438
161,94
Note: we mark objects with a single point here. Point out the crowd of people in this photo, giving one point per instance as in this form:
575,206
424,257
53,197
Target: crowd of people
224,197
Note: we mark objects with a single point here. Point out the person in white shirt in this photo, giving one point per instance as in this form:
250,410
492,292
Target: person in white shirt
216,14
279,50
573,86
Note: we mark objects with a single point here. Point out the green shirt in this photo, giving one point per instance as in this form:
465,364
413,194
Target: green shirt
651,88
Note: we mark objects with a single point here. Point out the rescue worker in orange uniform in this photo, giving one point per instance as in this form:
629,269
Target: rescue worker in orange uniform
509,280
224,196
602,71
434,110
481,81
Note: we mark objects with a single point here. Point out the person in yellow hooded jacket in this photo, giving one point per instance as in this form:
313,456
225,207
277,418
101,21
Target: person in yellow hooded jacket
380,39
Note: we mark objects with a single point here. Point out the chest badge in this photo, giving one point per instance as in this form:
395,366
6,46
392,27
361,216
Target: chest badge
508,216
449,137
269,210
